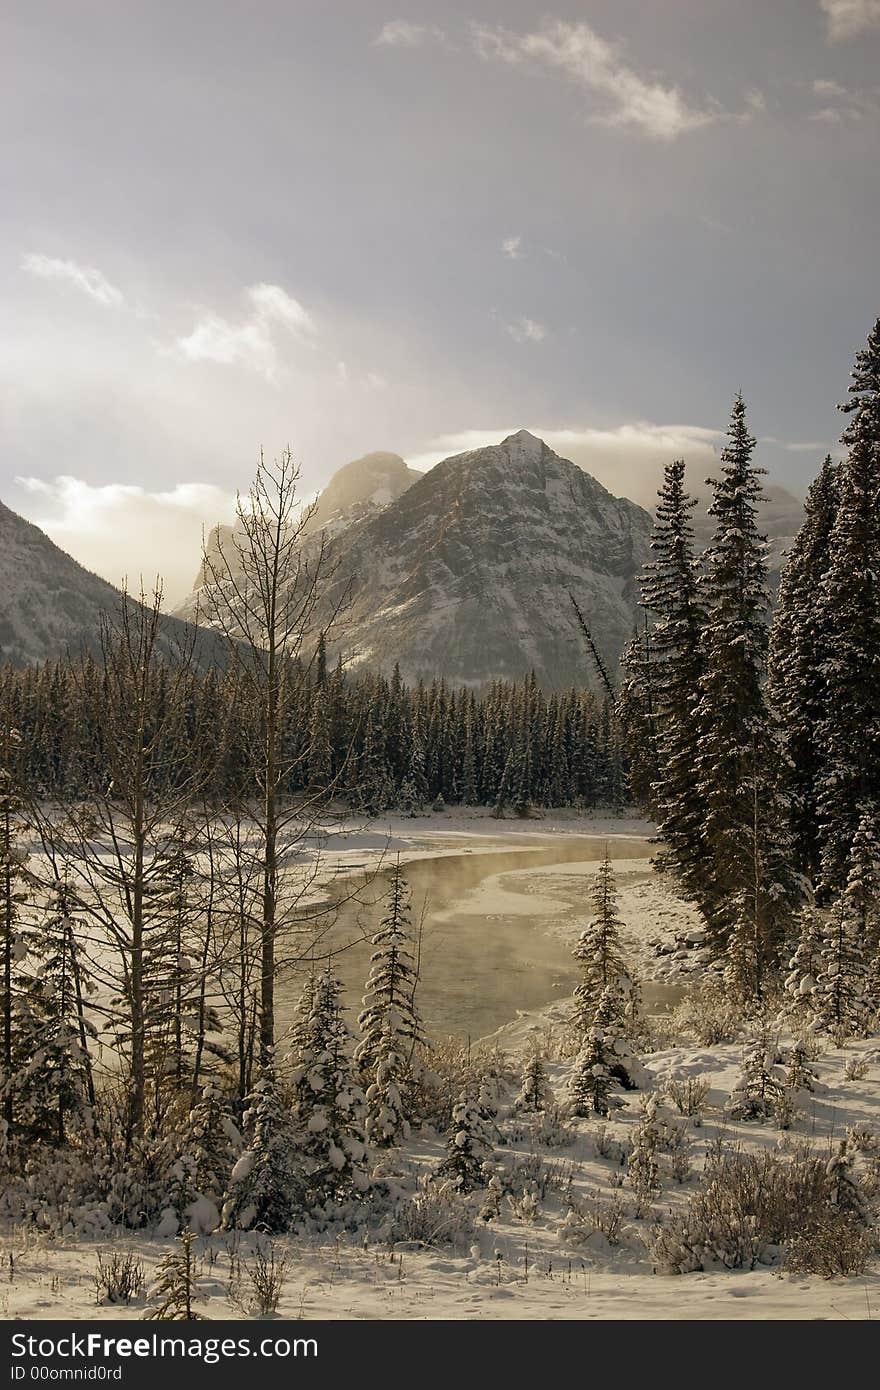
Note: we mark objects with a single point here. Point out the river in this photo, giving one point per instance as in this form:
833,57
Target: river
492,934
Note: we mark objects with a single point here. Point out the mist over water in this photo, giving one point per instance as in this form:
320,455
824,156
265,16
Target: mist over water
486,951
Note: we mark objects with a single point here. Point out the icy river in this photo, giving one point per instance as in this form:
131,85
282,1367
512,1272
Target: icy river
496,929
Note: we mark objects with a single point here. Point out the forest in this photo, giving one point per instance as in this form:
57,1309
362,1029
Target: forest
163,855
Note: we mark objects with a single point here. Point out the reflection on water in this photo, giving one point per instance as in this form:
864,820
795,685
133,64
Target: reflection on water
478,966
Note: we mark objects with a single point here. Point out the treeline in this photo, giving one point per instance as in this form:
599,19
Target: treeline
376,743
759,743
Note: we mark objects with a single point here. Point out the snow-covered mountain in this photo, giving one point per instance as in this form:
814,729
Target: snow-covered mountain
358,490
50,605
465,571
467,574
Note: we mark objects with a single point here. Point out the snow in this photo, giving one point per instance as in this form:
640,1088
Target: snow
528,1262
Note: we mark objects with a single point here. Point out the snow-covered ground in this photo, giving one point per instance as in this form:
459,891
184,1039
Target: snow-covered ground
528,1261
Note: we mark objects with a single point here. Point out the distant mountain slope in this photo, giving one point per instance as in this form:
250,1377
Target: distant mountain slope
467,574
50,605
356,491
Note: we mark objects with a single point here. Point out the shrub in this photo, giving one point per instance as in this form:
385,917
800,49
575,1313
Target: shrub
749,1206
835,1243
436,1215
688,1096
595,1214
709,1014
119,1278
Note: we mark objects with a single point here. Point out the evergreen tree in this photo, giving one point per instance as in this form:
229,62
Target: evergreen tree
54,1085
599,951
643,1168
390,1024
329,1102
744,835
176,1284
591,1082
320,749
266,1187
468,1146
535,1094
671,593
862,891
800,1075
759,1091
805,964
838,1002
848,611
797,684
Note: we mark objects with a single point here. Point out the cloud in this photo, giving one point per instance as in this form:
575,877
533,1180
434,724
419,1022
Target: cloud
627,459
511,247
399,33
841,104
653,109
526,330
86,279
123,531
849,18
252,343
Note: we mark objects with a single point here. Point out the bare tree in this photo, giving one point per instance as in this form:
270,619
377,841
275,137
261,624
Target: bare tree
269,587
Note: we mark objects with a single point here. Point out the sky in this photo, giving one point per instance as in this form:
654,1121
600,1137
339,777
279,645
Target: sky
348,225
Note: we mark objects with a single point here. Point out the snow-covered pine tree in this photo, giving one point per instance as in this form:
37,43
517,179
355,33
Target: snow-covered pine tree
54,1086
805,963
329,1104
848,613
671,593
468,1145
862,891
591,1082
390,1024
739,753
642,1166
759,1090
320,748
797,680
535,1093
599,950
207,1151
800,1075
636,716
838,1002
177,1284
266,1187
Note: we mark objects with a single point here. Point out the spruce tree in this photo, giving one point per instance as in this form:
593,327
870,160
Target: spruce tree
54,1085
468,1145
591,1082
838,1002
797,684
599,951
176,1284
329,1103
744,834
266,1187
535,1094
390,1024
848,611
671,593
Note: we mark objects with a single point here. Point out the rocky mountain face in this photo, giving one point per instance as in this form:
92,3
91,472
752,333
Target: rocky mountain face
356,491
51,606
467,574
465,571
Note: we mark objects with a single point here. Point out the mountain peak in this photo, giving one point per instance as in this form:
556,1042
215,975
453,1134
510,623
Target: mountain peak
525,443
